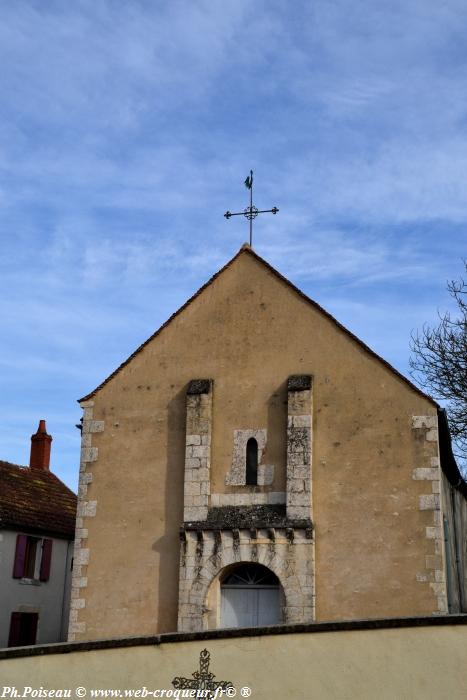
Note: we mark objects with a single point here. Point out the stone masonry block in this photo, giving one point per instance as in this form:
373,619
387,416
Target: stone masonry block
77,627
87,509
442,604
434,561
296,485
79,582
429,502
299,382
424,422
201,500
296,459
93,426
82,556
298,512
195,514
199,387
428,473
86,440
299,403
200,451
192,488
299,421
438,588
193,440
192,463
265,474
433,533
89,454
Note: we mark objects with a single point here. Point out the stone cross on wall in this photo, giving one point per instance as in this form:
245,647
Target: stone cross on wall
202,679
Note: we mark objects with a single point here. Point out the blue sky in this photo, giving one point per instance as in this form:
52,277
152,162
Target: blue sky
127,130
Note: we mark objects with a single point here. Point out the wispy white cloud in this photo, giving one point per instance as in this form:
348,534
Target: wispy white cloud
126,133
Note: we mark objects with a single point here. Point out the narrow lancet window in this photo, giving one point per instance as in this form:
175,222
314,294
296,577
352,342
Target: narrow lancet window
252,462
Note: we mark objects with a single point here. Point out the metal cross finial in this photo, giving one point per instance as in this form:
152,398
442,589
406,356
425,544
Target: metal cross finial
202,679
251,212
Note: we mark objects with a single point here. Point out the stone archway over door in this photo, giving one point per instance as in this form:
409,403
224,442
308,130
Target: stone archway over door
251,596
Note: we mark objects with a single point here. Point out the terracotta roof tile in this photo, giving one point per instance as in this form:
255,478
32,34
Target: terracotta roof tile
36,500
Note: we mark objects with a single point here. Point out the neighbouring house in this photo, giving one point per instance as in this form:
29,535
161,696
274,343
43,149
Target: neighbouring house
37,526
254,462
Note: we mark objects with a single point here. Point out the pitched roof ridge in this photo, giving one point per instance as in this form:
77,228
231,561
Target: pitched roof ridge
246,248
33,500
5,463
45,473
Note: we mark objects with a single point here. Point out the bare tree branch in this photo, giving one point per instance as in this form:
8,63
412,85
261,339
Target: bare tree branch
439,365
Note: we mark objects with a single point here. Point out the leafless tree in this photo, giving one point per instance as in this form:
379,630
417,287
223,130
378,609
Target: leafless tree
439,365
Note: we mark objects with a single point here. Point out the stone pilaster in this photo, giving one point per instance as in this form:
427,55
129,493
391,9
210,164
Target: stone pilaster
299,425
429,471
86,509
198,450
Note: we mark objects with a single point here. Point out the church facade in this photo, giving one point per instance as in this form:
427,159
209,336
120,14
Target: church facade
255,463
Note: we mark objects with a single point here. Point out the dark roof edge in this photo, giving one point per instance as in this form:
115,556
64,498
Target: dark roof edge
6,524
233,633
247,249
448,461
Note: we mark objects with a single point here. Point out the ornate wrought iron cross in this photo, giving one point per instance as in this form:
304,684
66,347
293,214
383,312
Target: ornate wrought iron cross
202,679
251,212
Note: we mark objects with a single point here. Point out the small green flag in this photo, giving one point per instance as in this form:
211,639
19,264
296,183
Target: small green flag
249,182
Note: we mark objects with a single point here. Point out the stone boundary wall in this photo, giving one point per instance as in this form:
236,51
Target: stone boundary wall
329,661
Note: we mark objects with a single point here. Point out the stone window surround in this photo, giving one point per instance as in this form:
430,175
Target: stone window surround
236,476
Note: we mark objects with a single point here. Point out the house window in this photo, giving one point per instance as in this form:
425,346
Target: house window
33,558
251,596
30,557
252,462
23,629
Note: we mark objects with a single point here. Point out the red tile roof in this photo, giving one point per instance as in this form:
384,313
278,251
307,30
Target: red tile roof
36,500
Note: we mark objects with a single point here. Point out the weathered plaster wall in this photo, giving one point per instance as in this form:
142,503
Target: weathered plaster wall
249,332
419,662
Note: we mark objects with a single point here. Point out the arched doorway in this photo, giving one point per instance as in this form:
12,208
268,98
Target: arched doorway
251,596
